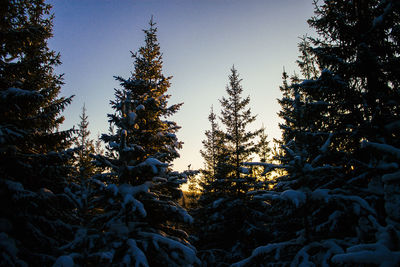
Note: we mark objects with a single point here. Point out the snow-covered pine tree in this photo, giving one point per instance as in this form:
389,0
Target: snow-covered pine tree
34,163
348,192
135,212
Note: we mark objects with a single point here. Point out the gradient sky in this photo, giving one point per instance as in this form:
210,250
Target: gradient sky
200,41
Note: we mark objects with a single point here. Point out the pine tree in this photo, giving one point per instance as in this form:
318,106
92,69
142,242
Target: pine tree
264,149
264,155
341,195
135,213
210,146
225,208
35,166
86,147
236,116
81,189
212,154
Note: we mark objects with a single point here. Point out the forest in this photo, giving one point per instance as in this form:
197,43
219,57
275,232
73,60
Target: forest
327,193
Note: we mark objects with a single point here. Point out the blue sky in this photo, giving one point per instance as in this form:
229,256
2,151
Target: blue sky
200,41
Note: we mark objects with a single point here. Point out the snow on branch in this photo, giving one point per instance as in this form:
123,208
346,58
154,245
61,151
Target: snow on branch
268,166
325,146
383,148
262,250
296,197
377,253
327,195
188,254
391,177
17,92
155,165
136,253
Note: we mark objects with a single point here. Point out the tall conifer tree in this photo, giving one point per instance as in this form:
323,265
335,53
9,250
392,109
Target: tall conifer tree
236,117
226,210
34,166
213,157
135,209
340,191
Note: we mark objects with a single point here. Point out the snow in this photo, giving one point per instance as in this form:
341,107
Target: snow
332,221
119,229
387,166
132,118
7,245
326,145
80,235
302,257
244,170
18,92
107,255
217,202
263,250
113,188
136,253
358,202
136,205
185,216
14,186
125,189
188,253
140,107
321,194
383,148
64,261
171,135
373,254
159,179
113,144
294,196
155,165
391,177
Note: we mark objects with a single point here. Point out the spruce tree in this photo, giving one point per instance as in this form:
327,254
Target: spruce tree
210,146
35,165
225,209
264,149
236,117
211,154
81,189
86,147
260,174
341,190
135,214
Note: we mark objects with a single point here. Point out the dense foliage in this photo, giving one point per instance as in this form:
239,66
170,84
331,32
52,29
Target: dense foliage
329,195
35,165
